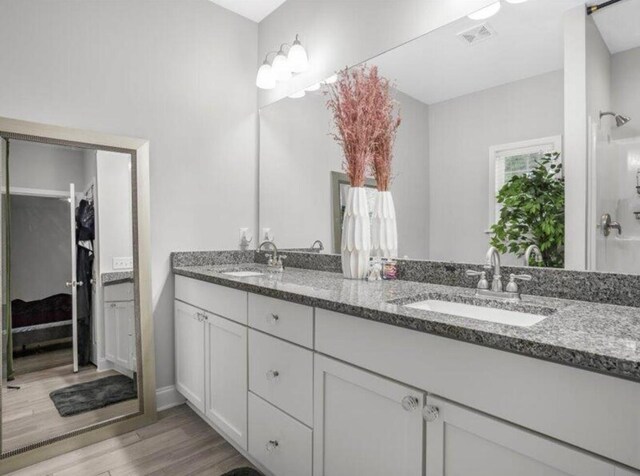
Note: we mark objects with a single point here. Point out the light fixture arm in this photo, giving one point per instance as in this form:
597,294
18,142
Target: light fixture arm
266,57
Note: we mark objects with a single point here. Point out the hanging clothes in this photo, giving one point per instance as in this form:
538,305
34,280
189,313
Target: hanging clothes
85,234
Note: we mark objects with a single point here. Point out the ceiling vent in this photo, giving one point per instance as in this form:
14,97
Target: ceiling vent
477,34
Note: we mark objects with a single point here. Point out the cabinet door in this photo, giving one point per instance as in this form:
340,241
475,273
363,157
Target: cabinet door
461,442
226,370
365,424
124,317
189,344
110,331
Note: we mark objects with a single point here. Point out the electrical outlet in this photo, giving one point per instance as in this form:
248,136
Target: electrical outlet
123,262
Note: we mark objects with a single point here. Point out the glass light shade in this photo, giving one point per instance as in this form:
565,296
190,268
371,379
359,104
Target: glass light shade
486,12
280,67
298,60
265,78
313,87
331,79
297,95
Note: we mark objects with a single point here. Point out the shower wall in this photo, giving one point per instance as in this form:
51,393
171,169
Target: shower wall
617,169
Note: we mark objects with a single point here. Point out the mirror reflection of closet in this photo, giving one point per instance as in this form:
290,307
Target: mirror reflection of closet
68,333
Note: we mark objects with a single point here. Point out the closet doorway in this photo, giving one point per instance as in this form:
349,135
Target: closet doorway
42,243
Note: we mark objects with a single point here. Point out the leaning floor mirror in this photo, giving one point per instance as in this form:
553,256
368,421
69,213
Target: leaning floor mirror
77,339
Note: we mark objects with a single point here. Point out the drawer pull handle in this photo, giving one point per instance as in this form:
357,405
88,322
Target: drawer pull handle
271,445
273,319
272,374
410,403
430,413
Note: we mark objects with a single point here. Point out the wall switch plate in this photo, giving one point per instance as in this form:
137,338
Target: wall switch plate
123,262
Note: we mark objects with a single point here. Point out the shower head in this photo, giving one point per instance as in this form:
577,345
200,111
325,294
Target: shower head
620,119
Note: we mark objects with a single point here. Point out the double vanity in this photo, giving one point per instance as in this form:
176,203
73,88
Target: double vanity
307,373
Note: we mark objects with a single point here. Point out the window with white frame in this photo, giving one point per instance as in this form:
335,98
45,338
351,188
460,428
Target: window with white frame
516,158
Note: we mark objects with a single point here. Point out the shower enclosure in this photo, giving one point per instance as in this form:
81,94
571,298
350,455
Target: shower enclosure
614,212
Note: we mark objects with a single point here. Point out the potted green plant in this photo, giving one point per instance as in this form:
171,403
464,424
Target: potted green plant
532,213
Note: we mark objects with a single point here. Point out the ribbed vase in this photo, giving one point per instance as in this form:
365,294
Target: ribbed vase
356,235
384,228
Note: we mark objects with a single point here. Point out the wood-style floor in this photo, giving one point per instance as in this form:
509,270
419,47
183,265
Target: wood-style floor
29,415
178,444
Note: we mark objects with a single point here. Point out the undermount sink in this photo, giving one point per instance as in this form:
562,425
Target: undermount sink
489,311
242,274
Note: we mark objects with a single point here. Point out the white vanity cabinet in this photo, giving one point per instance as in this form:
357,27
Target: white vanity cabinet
461,442
211,354
365,424
119,327
304,391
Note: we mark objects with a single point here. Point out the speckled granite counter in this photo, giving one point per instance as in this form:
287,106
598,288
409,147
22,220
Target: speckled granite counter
598,337
117,277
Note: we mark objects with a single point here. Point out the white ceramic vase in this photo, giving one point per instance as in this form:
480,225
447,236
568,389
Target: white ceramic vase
384,228
356,235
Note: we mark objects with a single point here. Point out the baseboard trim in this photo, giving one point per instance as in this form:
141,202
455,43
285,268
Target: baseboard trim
168,397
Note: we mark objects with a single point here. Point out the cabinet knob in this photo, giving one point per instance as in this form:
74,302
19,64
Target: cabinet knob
271,445
273,319
430,413
272,374
410,403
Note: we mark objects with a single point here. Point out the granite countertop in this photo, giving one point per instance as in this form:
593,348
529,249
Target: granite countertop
116,277
598,337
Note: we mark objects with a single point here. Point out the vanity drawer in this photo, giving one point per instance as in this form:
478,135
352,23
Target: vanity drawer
277,441
287,320
220,300
282,374
118,292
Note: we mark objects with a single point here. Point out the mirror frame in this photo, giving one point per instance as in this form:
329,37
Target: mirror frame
138,149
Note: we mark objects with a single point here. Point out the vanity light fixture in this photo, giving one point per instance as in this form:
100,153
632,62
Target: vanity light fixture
297,57
266,79
313,87
280,65
283,65
485,12
297,94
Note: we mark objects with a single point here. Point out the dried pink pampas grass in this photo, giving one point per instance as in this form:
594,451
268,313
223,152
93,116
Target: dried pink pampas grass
387,121
364,115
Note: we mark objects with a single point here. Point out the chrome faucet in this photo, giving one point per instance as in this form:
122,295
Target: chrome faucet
320,246
535,251
493,260
511,293
273,260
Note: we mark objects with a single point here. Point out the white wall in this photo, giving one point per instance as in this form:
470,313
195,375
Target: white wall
461,131
341,33
114,208
40,247
625,90
297,157
179,73
45,167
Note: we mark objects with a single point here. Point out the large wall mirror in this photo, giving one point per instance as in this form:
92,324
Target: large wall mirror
76,348
482,105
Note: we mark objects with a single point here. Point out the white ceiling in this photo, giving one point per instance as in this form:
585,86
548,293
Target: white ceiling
255,10
528,41
619,25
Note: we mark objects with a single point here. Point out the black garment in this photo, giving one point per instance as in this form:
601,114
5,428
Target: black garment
85,221
85,233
